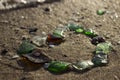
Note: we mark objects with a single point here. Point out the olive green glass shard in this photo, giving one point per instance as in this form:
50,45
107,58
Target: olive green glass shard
103,48
25,47
59,32
58,66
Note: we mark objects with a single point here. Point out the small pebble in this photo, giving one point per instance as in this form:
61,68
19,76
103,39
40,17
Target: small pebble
76,13
116,15
48,9
23,17
51,46
65,55
107,36
15,57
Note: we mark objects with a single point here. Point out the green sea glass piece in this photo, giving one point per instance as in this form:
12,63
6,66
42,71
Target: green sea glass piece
58,66
104,47
25,48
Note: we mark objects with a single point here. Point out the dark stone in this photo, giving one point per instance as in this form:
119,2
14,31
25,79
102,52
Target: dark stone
47,10
97,40
98,25
65,55
32,30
